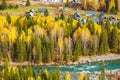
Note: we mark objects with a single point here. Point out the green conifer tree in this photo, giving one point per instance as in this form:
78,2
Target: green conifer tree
66,53
114,40
38,46
67,4
52,49
62,16
107,5
0,55
8,18
108,26
4,48
20,50
28,3
116,4
3,5
102,76
46,13
104,47
44,74
77,51
50,76
118,24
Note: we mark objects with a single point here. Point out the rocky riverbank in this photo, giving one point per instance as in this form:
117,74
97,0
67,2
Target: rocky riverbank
94,75
97,58
82,60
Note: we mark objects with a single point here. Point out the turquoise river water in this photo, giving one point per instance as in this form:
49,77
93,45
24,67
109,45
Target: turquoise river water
109,65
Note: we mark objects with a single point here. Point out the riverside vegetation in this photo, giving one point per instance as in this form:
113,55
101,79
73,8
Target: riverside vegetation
8,72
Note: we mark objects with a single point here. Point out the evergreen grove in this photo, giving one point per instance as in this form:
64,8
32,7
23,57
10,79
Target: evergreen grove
43,39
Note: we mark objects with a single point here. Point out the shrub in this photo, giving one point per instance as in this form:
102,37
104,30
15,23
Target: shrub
62,16
28,3
16,6
113,10
3,5
67,4
8,18
46,13
10,6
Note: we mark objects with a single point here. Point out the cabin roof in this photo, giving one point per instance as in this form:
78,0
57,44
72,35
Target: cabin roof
76,14
95,19
41,9
90,12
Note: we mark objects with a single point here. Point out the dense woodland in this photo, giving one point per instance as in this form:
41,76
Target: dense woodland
45,39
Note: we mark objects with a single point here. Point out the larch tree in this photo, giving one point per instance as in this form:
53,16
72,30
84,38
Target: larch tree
85,4
67,76
85,36
112,7
61,47
81,76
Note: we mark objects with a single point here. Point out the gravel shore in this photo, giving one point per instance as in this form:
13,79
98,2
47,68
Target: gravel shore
90,59
92,75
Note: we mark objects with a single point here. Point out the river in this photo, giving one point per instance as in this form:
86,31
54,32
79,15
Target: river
109,65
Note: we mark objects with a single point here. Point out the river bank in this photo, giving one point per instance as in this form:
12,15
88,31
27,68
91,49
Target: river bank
82,60
94,75
106,57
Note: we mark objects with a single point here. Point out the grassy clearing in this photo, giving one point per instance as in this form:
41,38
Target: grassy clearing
22,9
52,10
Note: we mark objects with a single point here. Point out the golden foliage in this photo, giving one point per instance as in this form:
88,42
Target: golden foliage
81,76
12,35
60,44
67,76
85,34
31,78
111,4
97,28
77,33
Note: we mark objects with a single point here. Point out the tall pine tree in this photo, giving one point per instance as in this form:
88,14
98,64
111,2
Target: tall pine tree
104,48
28,3
102,76
38,46
114,40
20,50
77,51
3,5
